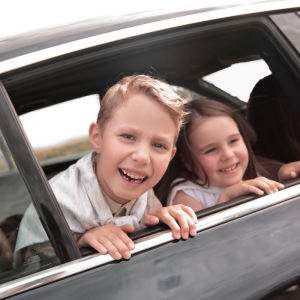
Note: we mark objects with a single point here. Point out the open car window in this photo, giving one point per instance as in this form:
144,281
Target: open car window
239,79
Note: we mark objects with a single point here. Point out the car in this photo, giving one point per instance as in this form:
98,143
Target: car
52,81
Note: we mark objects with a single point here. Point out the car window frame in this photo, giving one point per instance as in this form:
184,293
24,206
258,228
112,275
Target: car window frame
44,201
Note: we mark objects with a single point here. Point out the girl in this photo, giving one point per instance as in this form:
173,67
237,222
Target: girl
214,161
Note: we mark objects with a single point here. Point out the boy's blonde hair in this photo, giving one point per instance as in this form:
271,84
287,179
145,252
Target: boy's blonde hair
155,88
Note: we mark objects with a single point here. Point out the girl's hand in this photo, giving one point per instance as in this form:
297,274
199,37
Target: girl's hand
180,218
109,239
289,171
257,186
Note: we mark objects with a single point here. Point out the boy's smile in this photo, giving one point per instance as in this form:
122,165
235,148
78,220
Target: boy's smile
220,150
134,147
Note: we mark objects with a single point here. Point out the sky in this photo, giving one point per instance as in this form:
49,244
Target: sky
19,16
49,126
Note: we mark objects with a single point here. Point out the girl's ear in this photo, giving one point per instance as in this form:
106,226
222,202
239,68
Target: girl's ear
185,162
95,137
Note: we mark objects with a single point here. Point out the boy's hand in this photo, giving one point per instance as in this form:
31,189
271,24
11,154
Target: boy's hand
180,218
257,186
289,171
109,239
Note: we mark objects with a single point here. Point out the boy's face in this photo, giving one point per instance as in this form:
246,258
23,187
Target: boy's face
135,147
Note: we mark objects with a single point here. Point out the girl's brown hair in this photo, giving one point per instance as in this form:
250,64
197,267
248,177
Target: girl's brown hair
198,109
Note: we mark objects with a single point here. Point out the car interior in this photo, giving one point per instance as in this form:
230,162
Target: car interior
182,57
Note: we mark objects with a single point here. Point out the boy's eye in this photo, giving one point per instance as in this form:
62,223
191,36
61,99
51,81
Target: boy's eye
127,136
159,146
210,150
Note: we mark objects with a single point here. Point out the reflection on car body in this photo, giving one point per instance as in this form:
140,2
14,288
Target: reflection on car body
247,248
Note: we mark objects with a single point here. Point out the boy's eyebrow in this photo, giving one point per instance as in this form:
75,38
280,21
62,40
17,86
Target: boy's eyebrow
160,137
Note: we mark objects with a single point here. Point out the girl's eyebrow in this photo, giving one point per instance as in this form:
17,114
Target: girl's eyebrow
237,134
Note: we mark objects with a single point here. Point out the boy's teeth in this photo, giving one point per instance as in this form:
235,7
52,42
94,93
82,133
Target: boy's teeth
133,177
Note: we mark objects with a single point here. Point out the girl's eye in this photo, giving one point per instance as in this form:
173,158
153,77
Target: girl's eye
159,146
210,150
233,141
127,136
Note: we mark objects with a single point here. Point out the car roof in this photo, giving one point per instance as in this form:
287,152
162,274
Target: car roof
39,40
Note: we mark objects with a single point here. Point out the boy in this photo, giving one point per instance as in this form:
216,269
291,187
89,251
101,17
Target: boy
108,192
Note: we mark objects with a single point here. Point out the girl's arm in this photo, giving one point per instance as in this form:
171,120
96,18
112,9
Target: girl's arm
182,198
289,171
257,186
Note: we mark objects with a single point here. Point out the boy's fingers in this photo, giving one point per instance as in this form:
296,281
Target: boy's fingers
116,247
184,225
98,246
124,237
171,222
190,212
127,228
151,220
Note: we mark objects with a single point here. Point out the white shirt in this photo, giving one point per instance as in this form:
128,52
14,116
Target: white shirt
207,196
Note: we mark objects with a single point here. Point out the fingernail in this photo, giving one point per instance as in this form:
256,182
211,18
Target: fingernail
271,192
177,236
276,190
185,235
118,255
127,255
281,185
193,232
153,221
103,250
131,246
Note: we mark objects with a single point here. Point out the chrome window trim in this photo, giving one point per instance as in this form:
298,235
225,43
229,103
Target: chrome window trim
80,265
38,56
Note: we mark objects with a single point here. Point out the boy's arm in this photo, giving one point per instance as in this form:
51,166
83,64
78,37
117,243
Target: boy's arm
289,171
109,239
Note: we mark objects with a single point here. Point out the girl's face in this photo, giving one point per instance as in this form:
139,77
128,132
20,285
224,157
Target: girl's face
220,149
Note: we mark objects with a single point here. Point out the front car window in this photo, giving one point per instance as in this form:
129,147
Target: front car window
16,260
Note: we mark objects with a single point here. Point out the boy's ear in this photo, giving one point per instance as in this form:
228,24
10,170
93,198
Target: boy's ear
173,153
95,137
185,162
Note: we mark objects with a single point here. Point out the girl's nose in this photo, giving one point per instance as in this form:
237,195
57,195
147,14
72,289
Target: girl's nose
142,155
227,154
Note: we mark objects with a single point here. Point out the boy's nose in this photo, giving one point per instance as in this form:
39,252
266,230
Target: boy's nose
141,155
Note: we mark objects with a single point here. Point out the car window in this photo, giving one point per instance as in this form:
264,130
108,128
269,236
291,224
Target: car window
61,130
15,260
238,79
289,24
186,93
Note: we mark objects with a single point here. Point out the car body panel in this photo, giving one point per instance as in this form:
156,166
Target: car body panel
226,260
126,31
